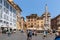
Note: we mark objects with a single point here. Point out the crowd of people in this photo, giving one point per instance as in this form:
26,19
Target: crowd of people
31,33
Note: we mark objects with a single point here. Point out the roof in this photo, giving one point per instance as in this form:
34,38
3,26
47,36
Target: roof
38,18
15,6
56,17
32,16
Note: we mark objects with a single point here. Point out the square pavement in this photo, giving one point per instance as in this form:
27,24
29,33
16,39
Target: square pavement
22,36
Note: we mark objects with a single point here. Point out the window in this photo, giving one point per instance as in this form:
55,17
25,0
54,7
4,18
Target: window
10,23
4,16
0,7
6,11
38,25
11,19
37,22
4,21
0,14
41,22
0,1
7,23
10,8
0,20
14,24
10,14
14,11
14,21
14,15
6,4
31,23
7,18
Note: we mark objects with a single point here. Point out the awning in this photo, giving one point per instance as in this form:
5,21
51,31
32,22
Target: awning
4,26
14,27
32,28
40,29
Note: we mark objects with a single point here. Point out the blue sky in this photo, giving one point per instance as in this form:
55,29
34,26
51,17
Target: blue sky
38,7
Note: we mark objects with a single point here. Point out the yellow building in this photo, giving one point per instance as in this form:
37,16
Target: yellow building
31,21
34,22
22,24
40,23
19,19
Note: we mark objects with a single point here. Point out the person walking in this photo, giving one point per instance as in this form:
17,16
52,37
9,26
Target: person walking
9,33
44,33
29,35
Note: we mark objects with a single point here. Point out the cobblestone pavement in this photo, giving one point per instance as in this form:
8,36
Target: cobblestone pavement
22,36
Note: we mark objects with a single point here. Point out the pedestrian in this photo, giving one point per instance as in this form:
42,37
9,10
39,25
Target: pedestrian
9,33
29,35
44,33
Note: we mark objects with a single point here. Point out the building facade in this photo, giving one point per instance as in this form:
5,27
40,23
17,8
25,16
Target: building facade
8,11
22,24
41,23
55,23
18,19
34,22
31,21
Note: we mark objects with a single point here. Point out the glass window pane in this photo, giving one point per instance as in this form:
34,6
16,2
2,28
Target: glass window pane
6,11
0,7
0,14
0,1
4,16
10,8
14,11
6,4
0,20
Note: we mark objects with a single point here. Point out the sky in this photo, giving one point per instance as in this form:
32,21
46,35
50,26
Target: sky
38,7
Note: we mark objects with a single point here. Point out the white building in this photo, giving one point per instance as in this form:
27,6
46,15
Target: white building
7,15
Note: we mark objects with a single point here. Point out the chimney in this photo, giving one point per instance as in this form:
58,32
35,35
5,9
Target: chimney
10,0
